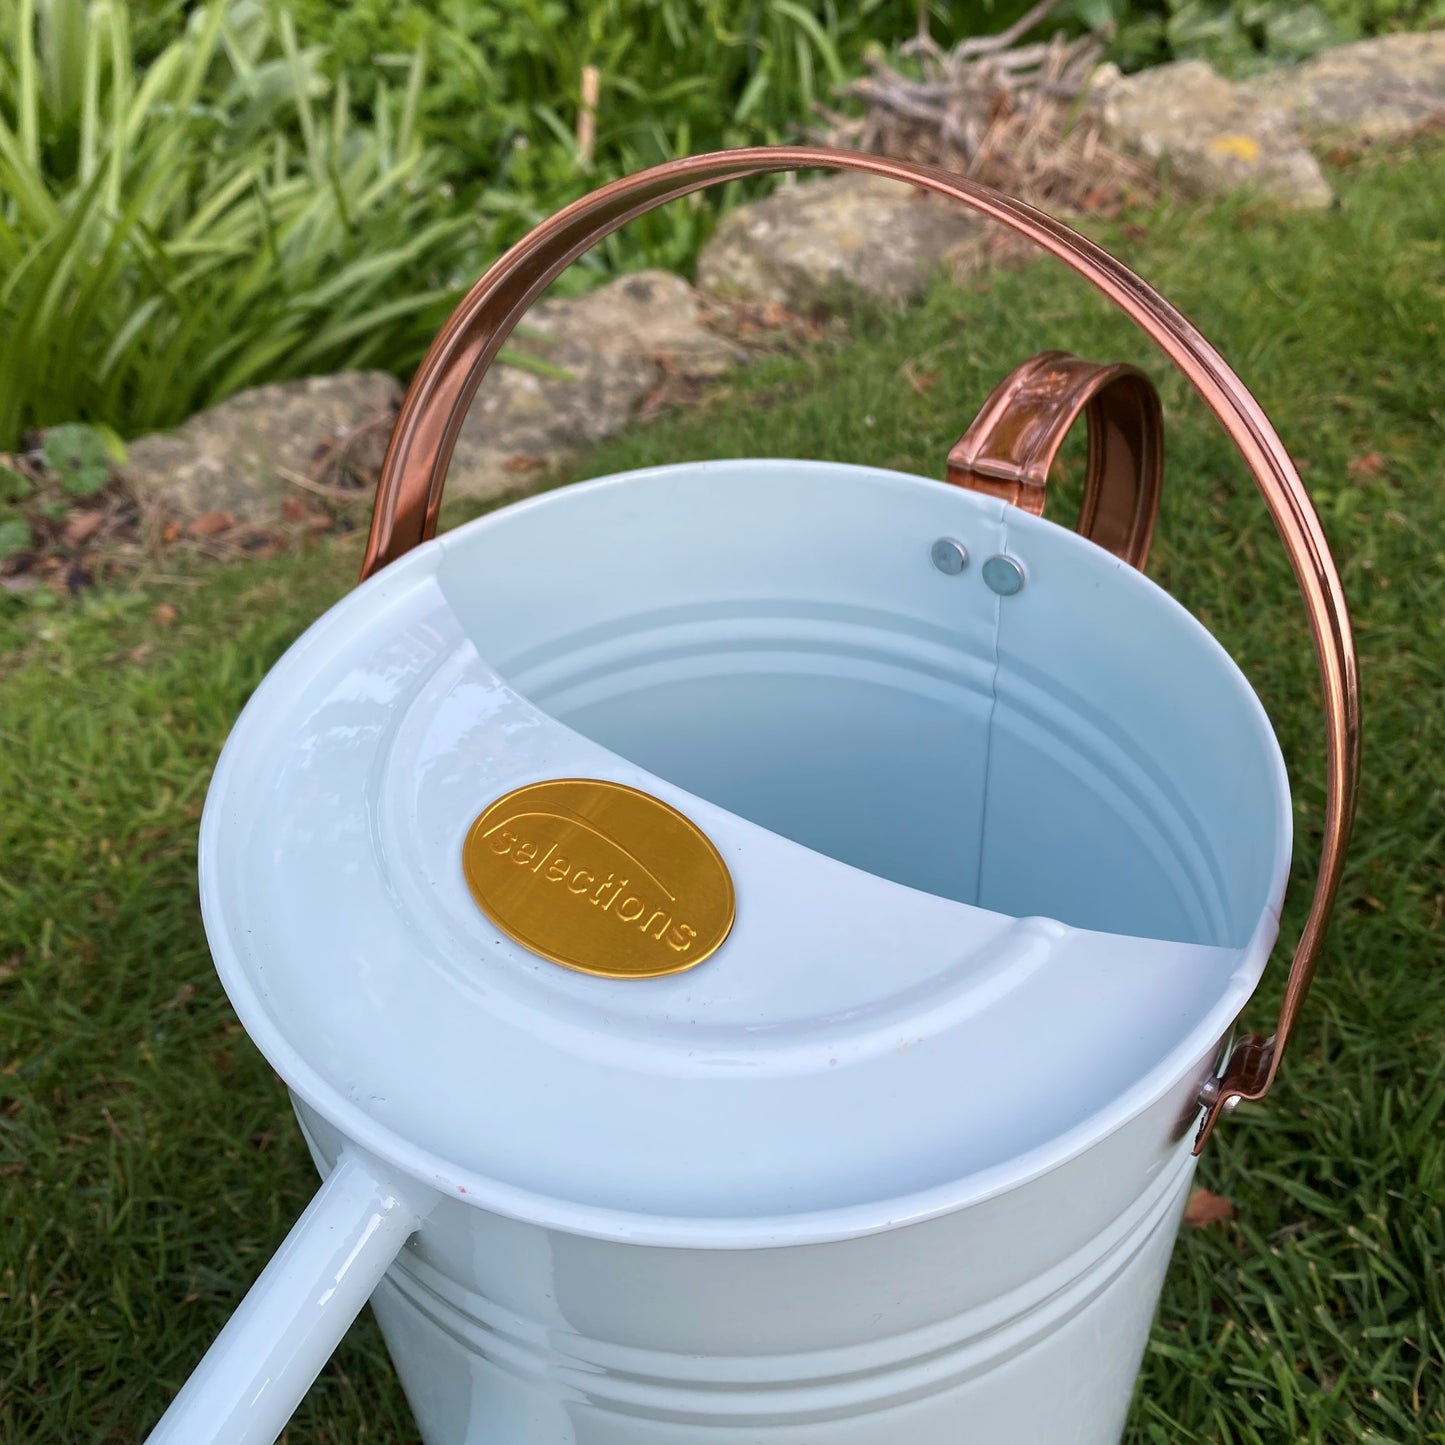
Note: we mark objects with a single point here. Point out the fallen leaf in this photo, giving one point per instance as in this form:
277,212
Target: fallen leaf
170,532
295,510
1367,465
1205,1209
523,462
163,615
1099,198
139,654
774,313
318,522
81,527
211,524
921,381
184,994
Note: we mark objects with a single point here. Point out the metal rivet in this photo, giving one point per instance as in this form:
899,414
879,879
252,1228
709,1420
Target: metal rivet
1003,575
949,556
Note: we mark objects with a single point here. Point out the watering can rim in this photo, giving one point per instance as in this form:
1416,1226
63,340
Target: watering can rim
727,1231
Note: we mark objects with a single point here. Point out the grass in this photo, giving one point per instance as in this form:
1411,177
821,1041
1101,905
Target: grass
148,1160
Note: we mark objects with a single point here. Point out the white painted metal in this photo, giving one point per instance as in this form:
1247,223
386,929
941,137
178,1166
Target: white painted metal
913,1142
273,1347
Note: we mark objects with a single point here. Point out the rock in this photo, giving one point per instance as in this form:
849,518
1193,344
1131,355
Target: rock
826,241
1372,90
615,344
1215,137
652,314
230,457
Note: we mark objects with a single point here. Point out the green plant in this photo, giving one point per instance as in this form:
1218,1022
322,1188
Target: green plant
172,233
54,500
13,486
676,77
77,455
15,536
1238,36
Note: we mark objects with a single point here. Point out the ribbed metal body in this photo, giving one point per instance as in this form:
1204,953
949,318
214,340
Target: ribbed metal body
1019,1321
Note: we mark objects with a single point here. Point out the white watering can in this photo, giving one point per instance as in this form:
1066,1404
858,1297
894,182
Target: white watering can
754,945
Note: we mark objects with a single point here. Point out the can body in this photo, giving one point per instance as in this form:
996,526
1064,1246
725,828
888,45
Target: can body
1021,1319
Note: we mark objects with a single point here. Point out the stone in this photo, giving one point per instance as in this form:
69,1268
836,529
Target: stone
232,457
615,345
818,243
1215,137
1372,90
653,314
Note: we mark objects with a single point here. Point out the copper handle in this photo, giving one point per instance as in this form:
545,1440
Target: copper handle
409,492
1013,441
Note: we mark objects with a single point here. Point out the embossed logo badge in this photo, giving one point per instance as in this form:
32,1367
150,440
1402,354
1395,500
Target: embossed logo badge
599,877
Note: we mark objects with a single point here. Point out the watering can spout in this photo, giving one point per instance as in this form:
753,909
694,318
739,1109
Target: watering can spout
252,1378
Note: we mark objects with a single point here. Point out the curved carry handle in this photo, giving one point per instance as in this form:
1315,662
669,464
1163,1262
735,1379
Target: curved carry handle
409,492
252,1378
1013,441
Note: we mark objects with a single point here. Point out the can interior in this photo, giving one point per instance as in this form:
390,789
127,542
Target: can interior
1082,751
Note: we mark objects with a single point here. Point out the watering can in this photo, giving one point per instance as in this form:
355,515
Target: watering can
754,946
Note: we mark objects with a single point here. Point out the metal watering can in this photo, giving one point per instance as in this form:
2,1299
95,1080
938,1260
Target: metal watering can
754,945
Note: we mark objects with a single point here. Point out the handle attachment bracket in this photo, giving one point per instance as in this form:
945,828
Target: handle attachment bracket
1009,449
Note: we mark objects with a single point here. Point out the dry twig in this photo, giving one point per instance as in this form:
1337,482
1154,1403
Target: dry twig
997,110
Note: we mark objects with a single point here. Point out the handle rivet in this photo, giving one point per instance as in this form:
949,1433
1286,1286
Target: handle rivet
1003,575
949,556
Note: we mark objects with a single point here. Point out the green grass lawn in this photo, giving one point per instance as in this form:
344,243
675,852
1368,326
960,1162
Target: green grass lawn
149,1163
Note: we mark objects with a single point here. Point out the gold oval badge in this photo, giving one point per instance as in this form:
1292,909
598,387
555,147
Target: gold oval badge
599,877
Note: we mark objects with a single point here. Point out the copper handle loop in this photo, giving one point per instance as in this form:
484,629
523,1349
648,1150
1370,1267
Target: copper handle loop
409,492
1011,446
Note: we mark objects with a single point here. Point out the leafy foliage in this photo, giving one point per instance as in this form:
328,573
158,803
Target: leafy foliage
15,536
677,77
55,499
13,486
173,233
1238,36
192,201
199,197
77,455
